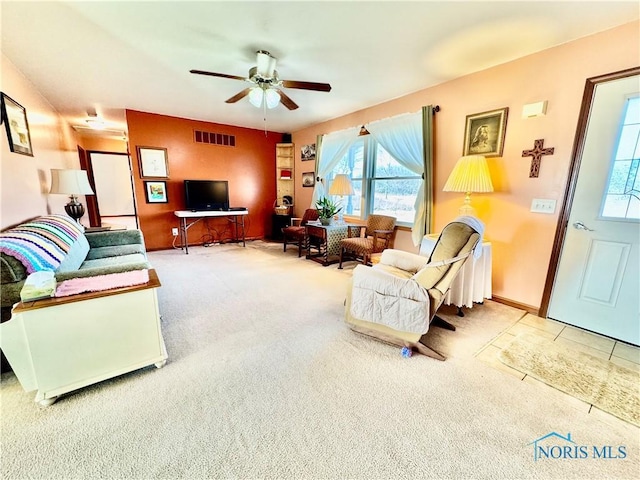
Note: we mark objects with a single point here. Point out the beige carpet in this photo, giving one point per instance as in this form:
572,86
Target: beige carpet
599,382
265,380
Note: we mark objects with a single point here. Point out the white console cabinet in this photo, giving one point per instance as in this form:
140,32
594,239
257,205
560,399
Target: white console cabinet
62,344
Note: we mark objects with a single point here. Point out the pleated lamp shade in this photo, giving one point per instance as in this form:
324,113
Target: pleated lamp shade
471,174
70,182
341,185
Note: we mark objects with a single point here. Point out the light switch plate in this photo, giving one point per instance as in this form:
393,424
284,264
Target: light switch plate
543,205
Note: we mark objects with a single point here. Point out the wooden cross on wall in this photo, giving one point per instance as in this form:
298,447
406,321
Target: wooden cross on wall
537,152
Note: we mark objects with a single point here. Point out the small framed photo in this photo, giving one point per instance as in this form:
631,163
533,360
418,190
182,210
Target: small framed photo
14,117
308,179
484,133
153,162
156,192
308,152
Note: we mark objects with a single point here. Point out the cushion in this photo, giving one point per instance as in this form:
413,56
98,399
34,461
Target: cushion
42,243
75,256
403,260
12,269
358,245
395,271
112,261
294,231
452,239
115,250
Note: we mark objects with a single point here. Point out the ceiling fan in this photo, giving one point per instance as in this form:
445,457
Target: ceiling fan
265,78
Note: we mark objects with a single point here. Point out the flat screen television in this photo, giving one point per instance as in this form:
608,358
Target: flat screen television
206,194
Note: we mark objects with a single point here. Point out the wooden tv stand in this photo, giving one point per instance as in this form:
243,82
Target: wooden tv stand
62,344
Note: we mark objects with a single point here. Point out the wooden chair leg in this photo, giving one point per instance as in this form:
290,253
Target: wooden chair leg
300,240
341,253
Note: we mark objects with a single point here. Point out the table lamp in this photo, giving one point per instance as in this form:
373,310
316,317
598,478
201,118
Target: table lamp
72,183
341,186
471,174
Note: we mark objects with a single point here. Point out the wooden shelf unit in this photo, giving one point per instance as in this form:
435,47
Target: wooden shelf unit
285,171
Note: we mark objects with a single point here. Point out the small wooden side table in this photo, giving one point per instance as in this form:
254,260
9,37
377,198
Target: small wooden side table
326,238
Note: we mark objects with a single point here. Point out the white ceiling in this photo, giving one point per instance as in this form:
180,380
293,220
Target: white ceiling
112,56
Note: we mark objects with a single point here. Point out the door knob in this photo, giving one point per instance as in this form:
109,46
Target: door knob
581,226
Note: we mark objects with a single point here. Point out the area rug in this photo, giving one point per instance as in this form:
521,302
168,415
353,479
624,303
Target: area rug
602,383
100,283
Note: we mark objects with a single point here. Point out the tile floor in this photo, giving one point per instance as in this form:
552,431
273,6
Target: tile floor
576,338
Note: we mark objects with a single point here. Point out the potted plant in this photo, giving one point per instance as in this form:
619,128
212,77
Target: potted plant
327,208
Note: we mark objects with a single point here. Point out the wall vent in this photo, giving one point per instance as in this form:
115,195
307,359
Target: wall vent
214,138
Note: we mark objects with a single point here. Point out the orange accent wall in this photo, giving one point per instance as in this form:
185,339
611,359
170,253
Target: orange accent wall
522,241
249,167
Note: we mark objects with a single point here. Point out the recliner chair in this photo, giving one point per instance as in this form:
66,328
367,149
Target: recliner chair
396,300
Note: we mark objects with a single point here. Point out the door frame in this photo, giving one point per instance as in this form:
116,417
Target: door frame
574,172
92,201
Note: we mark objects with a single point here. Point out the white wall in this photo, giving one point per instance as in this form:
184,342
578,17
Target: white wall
25,180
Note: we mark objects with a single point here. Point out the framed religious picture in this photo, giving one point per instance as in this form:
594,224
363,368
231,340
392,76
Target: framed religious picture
14,117
308,179
308,152
156,192
484,133
153,162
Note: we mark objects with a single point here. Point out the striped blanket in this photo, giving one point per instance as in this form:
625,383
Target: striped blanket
43,243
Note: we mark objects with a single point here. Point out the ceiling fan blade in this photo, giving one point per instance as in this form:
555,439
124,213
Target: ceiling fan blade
321,87
286,101
213,74
238,96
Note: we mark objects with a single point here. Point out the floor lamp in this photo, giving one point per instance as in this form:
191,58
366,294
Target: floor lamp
72,183
341,186
471,174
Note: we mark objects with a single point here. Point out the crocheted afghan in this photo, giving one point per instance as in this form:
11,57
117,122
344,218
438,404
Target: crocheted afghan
43,243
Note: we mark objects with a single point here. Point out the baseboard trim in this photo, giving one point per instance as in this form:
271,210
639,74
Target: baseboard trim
522,306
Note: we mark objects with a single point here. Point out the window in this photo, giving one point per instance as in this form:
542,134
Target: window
622,199
382,186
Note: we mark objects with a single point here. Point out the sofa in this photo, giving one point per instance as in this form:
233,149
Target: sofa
59,243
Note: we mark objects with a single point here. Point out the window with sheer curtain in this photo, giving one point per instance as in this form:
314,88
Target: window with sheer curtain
382,186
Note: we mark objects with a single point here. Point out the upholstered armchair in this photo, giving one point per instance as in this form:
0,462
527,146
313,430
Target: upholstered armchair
362,241
397,299
295,233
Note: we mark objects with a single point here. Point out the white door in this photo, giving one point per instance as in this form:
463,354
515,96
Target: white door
112,177
597,282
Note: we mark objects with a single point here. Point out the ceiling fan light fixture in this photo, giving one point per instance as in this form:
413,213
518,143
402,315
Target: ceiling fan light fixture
266,64
271,97
259,95
256,95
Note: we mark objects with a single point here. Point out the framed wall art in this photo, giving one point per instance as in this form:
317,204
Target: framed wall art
14,117
156,192
153,162
308,179
308,152
484,133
